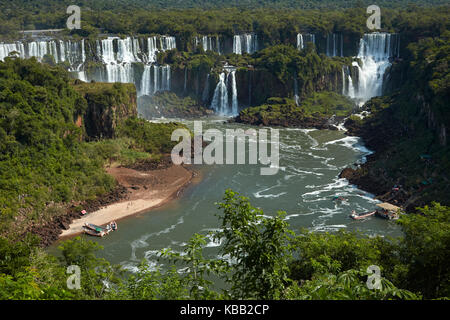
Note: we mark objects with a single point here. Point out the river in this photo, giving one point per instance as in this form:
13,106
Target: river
304,187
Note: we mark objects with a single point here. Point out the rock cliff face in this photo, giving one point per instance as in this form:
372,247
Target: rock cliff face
254,86
107,105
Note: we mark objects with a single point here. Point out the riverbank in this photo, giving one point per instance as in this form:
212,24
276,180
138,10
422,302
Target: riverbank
147,189
395,172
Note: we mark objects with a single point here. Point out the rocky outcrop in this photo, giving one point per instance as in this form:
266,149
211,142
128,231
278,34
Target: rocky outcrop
49,232
107,105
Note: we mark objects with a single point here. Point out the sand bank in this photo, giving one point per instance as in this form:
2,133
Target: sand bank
148,189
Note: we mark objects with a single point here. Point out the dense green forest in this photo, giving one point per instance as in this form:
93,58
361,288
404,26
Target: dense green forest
272,25
45,162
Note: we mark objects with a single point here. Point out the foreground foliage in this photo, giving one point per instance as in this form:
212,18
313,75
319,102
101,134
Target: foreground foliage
265,260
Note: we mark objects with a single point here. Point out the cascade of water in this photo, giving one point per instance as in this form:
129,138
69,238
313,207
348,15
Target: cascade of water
166,86
220,99
146,84
7,48
53,51
62,51
375,52
205,94
159,82
167,43
83,58
351,88
220,102
245,43
152,49
108,56
300,41
125,52
296,97
218,44
37,49
237,48
117,55
207,43
347,83
234,101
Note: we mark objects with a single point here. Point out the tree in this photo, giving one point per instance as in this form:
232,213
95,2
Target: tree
96,273
425,248
258,246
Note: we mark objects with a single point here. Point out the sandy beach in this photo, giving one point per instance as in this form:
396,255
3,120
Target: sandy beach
148,189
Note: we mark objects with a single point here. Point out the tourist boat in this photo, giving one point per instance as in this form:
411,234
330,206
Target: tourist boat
387,211
96,228
99,231
92,232
339,198
359,216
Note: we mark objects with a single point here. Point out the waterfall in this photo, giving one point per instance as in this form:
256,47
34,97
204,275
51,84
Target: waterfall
152,49
205,94
217,45
7,48
167,43
208,43
375,52
154,79
347,83
247,42
302,39
185,80
61,51
237,45
335,43
146,83
234,101
127,51
117,69
220,100
118,56
296,97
